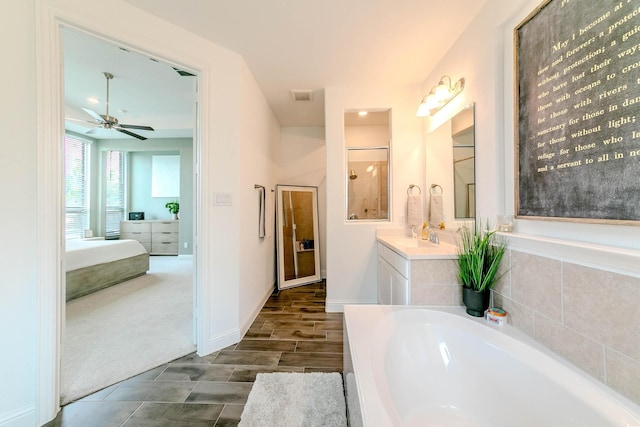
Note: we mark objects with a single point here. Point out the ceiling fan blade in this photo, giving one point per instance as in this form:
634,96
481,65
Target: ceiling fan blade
71,119
94,115
135,127
135,135
92,131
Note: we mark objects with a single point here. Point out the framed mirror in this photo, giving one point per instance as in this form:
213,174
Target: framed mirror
450,163
297,235
464,163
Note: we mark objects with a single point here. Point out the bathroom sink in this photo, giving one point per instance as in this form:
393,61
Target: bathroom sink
414,243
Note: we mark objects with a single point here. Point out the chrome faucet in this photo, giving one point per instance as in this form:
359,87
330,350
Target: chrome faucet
433,236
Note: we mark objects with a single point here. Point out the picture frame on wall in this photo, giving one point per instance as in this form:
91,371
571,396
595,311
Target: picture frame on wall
577,130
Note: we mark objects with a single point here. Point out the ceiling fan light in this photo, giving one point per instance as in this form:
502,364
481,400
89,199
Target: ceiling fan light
93,100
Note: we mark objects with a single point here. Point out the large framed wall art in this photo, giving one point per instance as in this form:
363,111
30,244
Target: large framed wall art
578,112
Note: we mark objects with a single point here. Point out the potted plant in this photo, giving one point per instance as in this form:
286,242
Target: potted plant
480,252
174,208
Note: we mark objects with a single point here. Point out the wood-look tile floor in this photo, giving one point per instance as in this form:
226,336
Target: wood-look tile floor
292,333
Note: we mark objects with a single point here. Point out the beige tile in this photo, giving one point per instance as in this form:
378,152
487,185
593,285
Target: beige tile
536,283
578,349
603,306
518,316
623,375
434,271
423,294
504,283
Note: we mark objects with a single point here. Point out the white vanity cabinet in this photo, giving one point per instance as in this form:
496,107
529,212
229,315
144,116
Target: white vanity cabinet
393,277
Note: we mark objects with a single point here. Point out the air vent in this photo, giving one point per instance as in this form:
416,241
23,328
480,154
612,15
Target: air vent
183,73
301,94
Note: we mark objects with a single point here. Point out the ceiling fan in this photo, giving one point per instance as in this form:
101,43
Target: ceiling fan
105,121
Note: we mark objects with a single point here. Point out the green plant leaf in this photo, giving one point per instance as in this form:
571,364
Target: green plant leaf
480,253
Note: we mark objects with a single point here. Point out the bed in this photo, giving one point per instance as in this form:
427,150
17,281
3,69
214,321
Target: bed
92,265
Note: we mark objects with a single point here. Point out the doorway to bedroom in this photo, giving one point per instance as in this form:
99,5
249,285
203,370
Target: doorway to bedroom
126,110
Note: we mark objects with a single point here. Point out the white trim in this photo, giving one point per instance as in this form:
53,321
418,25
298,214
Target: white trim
338,306
49,215
614,259
102,23
224,339
257,310
20,417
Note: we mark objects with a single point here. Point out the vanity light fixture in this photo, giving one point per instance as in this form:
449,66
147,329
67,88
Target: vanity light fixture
439,96
362,113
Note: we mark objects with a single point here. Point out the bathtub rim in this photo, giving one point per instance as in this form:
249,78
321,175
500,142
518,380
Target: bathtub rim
372,410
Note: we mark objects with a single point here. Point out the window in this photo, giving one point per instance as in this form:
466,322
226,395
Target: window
114,192
76,171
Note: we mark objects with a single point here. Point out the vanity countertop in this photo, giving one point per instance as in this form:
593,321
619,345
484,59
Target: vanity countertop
415,249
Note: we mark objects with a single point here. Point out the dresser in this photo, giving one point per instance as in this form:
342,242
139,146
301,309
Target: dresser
158,237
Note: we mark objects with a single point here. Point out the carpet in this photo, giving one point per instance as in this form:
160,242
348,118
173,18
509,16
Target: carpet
295,399
126,329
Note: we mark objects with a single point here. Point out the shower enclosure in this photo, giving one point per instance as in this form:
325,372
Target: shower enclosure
367,189
367,141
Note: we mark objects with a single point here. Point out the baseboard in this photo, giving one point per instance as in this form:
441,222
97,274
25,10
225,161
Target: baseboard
256,310
21,417
220,341
338,306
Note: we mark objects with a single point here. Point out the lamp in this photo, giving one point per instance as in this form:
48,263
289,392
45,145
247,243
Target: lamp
439,96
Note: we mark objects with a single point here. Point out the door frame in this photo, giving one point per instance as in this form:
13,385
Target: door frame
50,211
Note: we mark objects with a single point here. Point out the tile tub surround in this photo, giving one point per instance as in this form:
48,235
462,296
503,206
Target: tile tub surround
580,301
588,315
292,333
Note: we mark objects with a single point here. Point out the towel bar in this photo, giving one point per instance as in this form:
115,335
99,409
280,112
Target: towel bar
411,186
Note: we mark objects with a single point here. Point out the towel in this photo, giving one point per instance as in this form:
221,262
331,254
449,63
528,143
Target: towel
261,213
414,210
436,214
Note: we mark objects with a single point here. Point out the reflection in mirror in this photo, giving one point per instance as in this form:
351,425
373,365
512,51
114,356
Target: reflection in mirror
367,140
464,186
298,242
367,189
450,163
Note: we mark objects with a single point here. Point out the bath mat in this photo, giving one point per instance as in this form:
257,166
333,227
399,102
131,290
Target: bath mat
295,399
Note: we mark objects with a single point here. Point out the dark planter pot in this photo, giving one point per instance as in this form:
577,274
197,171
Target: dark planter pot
476,302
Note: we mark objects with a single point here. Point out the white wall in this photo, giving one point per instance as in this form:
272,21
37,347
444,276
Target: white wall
258,162
351,247
483,55
303,158
31,176
18,172
477,56
548,260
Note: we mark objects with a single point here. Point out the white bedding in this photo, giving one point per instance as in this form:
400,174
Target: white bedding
84,253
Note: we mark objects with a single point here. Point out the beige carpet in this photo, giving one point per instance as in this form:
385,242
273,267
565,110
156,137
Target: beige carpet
294,399
124,330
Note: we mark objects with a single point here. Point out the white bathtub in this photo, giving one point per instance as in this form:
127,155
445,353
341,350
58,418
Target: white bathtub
437,366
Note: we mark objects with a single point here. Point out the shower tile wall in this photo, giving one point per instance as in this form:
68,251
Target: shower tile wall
588,316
